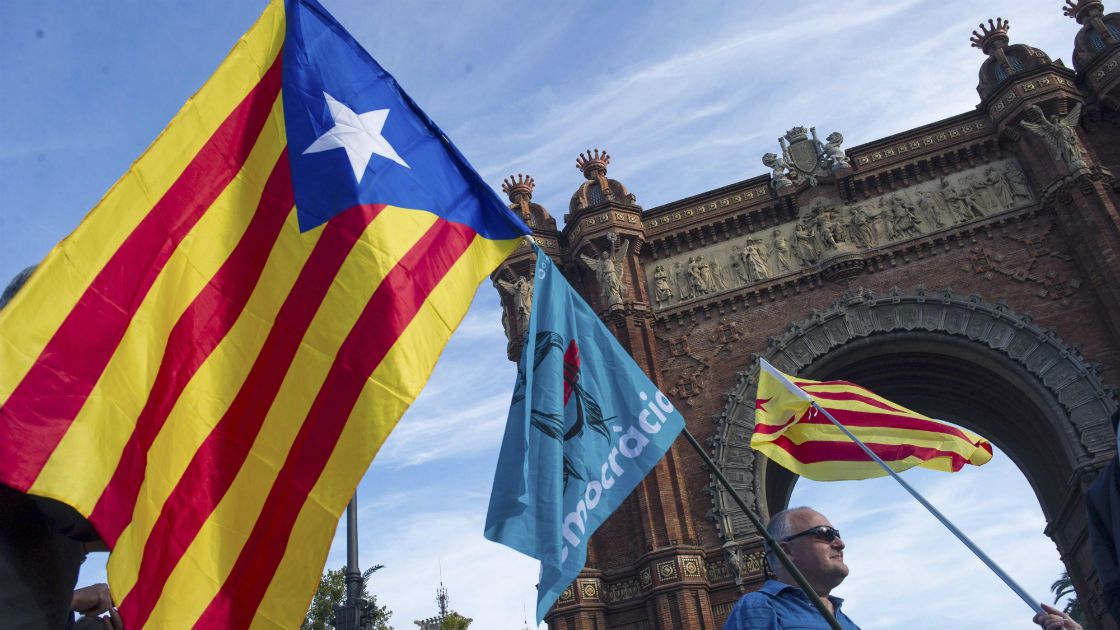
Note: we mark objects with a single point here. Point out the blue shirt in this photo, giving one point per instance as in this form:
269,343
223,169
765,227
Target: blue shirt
779,606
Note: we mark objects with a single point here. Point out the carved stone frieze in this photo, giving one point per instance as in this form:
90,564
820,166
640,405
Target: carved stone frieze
623,590
829,232
1057,369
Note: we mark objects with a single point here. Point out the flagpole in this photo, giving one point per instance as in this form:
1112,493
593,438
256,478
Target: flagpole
1011,583
348,615
770,542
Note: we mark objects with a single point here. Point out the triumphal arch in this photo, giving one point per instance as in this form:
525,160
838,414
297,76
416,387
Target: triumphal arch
966,268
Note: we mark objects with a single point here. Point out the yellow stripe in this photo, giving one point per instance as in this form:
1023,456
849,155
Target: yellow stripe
392,387
210,557
99,432
801,433
29,321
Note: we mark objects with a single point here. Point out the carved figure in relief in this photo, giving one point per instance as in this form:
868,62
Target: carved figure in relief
719,282
1001,190
780,170
1020,190
782,251
1060,135
836,156
662,290
805,246
863,232
706,278
982,194
754,261
822,228
684,282
521,290
903,221
929,209
738,265
696,277
608,271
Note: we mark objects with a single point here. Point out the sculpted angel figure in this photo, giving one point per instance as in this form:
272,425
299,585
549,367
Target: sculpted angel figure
608,270
522,292
1060,134
779,176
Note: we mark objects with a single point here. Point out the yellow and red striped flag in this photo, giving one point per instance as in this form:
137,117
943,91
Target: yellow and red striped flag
206,367
789,431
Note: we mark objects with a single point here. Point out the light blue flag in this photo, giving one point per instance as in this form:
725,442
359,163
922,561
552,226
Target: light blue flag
585,426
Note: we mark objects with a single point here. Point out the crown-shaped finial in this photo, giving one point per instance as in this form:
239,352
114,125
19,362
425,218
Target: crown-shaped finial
517,186
1083,10
994,35
593,163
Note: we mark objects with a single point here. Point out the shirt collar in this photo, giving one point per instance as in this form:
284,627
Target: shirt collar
774,587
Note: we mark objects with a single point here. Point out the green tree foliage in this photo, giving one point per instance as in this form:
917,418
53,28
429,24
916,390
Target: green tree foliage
332,592
455,621
1062,587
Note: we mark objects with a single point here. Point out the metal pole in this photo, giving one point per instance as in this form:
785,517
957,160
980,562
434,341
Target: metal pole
353,573
348,615
939,516
770,542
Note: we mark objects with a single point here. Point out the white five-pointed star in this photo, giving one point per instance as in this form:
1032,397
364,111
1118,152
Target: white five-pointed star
359,134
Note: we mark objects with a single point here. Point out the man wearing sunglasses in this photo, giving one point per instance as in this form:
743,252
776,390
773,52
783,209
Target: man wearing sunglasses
816,549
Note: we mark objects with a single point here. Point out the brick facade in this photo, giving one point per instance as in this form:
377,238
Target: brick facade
849,276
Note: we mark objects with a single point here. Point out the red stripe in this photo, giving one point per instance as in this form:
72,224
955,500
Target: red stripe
856,396
872,420
841,452
389,311
202,326
45,403
220,456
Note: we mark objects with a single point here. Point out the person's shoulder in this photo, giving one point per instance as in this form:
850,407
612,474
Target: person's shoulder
755,609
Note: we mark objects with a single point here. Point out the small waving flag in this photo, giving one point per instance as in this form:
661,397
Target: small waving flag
206,367
789,431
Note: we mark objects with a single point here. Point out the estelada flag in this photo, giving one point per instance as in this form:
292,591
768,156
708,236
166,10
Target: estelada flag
208,364
791,432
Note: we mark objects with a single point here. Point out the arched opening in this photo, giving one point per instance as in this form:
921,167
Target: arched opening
975,364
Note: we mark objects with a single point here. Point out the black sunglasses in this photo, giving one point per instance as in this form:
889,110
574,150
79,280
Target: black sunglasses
820,532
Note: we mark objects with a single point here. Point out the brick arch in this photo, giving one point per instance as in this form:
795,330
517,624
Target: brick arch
984,365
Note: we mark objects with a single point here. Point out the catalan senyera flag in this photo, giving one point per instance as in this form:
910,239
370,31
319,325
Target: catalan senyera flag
206,367
789,431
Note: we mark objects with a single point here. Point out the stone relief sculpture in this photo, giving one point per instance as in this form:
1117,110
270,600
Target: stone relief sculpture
930,210
1018,182
782,251
719,283
1060,135
754,261
903,220
662,290
826,228
805,246
684,284
863,230
608,271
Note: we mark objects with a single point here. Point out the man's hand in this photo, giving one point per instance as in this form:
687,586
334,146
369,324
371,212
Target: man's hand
1054,619
91,601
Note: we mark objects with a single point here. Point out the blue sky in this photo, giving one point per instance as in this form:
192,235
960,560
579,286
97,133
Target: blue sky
685,96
